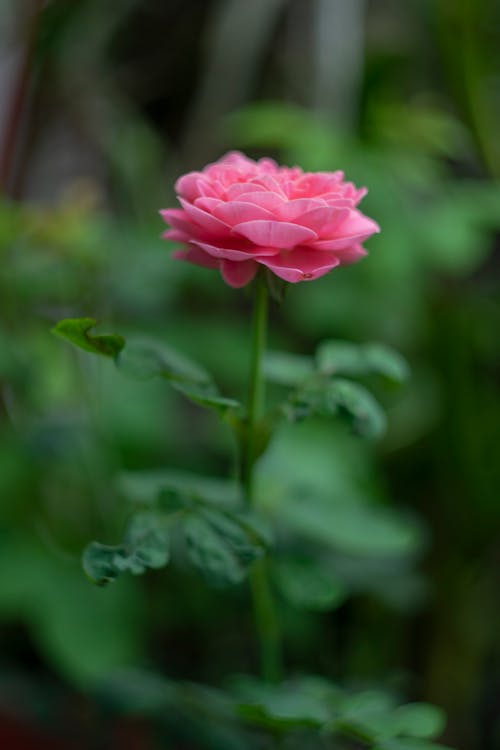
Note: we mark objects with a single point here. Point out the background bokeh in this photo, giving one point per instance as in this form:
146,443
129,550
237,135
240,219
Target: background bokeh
102,106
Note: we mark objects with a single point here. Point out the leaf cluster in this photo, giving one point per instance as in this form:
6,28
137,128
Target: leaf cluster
323,385
221,542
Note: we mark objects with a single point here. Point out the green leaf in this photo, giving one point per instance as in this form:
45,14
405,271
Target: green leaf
287,369
143,360
340,358
366,707
345,358
383,360
146,487
369,716
145,545
221,546
366,714
375,714
293,704
353,528
344,398
98,562
360,408
421,720
306,584
207,396
76,331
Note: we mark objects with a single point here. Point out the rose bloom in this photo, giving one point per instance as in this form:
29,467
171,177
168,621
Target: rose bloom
238,214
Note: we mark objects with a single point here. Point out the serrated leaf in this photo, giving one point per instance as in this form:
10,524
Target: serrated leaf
359,407
98,562
307,585
344,398
285,368
220,546
346,358
145,545
76,331
146,542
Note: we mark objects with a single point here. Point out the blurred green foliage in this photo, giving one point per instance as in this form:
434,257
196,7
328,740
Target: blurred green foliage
401,556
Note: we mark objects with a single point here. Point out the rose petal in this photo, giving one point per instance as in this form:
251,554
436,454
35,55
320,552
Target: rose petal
301,264
242,187
182,225
290,210
319,219
207,189
337,199
197,257
236,212
359,195
175,235
358,224
176,218
234,253
237,159
269,183
208,203
238,274
204,219
187,185
270,201
335,244
354,230
270,165
350,254
279,234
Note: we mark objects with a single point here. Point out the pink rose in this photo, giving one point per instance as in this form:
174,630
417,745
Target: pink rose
238,214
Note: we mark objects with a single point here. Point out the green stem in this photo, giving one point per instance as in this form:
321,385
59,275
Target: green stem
256,386
266,621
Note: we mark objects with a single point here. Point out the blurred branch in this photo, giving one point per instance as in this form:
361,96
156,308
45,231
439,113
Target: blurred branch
16,106
466,52
337,51
235,47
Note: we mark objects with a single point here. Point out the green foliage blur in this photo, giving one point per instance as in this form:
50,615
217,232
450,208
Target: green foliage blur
395,589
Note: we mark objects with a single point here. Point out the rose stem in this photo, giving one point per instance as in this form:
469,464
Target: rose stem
266,621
